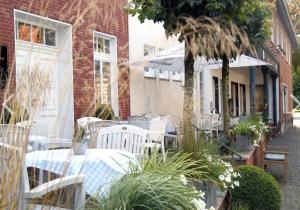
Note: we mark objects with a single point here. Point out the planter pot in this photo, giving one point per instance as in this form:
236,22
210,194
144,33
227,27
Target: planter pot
79,148
210,192
243,143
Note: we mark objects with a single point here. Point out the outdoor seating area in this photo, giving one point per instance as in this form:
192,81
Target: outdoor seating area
141,105
112,150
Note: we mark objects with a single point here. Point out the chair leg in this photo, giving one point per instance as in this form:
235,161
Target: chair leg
79,197
163,148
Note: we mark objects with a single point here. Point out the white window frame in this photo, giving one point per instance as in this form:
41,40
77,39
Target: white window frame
112,58
149,72
32,23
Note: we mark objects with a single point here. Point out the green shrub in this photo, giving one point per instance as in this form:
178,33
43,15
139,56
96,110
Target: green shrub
258,189
158,186
104,112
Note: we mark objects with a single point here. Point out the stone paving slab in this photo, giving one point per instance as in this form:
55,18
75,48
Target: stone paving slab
290,185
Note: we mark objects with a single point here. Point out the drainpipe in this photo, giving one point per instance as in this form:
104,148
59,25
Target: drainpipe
274,79
266,94
252,77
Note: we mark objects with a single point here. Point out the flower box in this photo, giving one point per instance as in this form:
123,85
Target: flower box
243,143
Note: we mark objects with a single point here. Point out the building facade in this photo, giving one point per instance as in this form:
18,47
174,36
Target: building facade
78,45
265,89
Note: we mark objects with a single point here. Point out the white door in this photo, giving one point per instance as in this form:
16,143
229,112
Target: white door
32,58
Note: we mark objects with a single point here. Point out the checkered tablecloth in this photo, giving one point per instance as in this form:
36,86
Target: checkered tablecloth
101,167
45,143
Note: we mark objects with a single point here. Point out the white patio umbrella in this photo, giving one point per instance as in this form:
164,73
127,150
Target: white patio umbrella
172,59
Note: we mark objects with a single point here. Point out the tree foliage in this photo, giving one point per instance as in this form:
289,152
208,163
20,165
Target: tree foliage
294,9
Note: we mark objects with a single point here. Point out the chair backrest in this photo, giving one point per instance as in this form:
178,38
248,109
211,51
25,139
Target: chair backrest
84,121
158,124
139,121
13,145
206,122
129,138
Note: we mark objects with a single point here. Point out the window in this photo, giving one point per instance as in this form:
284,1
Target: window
234,101
103,82
50,37
24,32
285,99
216,95
163,74
103,64
35,34
148,50
176,76
149,72
102,45
243,108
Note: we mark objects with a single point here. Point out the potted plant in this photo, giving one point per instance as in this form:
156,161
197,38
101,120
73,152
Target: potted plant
80,142
249,132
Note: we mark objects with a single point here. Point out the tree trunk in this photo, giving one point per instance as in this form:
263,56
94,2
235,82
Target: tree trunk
188,95
225,94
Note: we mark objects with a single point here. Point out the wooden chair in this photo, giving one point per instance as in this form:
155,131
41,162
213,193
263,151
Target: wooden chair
94,128
24,194
275,155
139,121
123,137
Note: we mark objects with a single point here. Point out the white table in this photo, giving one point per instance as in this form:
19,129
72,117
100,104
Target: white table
45,143
99,166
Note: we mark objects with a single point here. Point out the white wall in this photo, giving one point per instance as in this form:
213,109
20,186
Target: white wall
152,95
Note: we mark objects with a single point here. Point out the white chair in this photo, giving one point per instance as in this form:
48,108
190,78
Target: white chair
216,123
94,128
123,137
139,121
157,133
84,121
210,123
23,194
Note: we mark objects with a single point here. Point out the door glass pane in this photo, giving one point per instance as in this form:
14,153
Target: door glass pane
97,81
23,31
50,37
107,46
37,34
106,86
100,45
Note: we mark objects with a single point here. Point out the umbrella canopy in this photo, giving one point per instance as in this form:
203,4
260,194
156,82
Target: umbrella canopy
172,59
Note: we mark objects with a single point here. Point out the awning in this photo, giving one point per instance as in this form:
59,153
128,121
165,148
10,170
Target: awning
173,60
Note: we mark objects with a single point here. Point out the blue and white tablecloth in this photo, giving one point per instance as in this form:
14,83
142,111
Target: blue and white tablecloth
45,143
101,167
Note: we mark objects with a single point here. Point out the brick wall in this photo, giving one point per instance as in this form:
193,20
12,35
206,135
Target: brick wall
85,16
286,78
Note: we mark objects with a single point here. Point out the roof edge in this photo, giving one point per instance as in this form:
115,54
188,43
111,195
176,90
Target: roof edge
284,15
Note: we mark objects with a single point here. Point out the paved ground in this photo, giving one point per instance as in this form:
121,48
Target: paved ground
290,186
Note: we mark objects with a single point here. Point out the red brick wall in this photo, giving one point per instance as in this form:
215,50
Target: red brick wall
85,16
286,78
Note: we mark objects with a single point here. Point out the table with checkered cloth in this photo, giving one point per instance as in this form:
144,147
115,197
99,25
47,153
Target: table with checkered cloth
45,143
101,167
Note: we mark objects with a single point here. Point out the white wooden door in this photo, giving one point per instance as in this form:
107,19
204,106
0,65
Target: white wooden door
39,58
